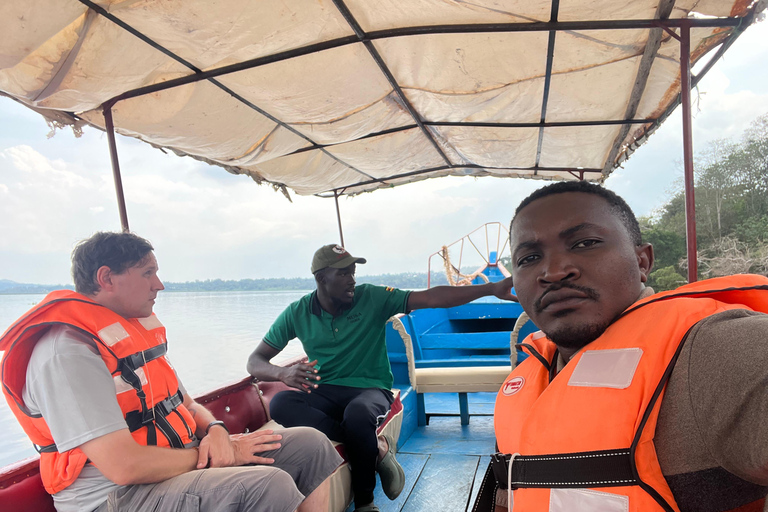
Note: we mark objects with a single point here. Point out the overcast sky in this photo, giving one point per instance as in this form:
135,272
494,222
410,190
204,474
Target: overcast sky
206,223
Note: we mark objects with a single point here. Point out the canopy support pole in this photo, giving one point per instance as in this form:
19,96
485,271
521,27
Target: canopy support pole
116,167
685,100
338,215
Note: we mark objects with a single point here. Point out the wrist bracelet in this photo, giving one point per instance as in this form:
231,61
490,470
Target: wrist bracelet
217,422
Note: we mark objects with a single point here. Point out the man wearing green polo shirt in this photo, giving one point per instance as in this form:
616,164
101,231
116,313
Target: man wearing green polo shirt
341,327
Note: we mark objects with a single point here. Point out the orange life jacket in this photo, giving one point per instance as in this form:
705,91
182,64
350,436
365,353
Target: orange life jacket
584,436
134,352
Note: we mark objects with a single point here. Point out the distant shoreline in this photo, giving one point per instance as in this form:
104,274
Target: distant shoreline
406,280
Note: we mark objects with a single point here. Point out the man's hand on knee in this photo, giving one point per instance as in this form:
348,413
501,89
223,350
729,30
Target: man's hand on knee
247,446
216,450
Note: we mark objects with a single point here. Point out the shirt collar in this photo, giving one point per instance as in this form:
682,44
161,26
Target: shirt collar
317,310
314,305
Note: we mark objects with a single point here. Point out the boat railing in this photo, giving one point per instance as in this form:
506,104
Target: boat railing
489,241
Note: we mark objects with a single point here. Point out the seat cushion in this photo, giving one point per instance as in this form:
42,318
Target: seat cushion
464,379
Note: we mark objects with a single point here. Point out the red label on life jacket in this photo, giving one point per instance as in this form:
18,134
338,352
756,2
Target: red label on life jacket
513,385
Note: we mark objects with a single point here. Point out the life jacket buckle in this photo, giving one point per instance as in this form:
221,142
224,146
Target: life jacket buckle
165,407
500,468
49,448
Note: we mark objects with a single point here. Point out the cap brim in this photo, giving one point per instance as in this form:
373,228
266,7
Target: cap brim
345,262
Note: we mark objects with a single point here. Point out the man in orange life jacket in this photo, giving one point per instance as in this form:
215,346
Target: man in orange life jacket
87,377
630,400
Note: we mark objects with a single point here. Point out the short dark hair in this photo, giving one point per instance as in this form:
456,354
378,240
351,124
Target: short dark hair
118,251
618,205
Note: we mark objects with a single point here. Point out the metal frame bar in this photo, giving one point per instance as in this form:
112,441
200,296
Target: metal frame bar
345,12
473,124
338,216
575,172
110,127
543,26
690,201
555,7
641,80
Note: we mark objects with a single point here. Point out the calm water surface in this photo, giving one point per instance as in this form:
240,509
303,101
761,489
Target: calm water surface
210,335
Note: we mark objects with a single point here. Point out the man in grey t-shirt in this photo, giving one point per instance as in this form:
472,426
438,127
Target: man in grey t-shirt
69,385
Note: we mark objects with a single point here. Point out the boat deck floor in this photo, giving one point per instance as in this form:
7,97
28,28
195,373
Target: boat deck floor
444,462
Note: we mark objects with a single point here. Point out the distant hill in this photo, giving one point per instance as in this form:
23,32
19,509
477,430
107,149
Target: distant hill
8,287
406,280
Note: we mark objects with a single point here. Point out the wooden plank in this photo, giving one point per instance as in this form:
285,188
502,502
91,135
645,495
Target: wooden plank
412,464
479,474
446,435
459,361
477,310
465,340
445,484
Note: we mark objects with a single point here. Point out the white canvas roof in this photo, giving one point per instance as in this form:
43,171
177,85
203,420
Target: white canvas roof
347,96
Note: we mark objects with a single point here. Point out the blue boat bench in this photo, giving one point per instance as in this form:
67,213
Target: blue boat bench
461,350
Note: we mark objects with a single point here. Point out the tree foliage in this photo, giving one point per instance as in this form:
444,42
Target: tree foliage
731,194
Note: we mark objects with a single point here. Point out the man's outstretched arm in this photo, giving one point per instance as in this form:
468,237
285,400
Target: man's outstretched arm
302,376
450,296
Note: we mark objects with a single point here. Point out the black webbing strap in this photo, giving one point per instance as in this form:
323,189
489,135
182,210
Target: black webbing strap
605,468
486,496
127,367
138,419
139,359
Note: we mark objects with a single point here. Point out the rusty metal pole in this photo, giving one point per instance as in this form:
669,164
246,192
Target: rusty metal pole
116,167
338,215
685,100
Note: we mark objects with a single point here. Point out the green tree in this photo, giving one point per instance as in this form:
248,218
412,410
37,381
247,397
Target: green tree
731,192
668,246
666,278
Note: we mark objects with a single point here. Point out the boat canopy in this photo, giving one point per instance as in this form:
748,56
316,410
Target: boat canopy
332,97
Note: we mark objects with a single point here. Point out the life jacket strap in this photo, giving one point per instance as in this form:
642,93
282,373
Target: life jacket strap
604,468
136,419
127,367
139,359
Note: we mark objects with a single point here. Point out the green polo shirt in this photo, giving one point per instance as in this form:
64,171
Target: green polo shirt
350,348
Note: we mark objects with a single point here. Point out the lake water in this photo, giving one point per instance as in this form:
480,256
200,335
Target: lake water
210,336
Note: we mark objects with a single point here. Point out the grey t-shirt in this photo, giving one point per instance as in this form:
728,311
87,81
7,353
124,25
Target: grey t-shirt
69,384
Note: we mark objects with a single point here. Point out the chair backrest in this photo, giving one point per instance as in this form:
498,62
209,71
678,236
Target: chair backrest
515,335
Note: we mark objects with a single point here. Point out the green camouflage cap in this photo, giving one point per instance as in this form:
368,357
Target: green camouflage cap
334,256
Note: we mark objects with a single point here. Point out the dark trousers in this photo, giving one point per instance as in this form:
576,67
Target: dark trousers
344,414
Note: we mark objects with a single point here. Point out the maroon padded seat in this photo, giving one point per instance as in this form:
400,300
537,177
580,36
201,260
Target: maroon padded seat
240,406
22,489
